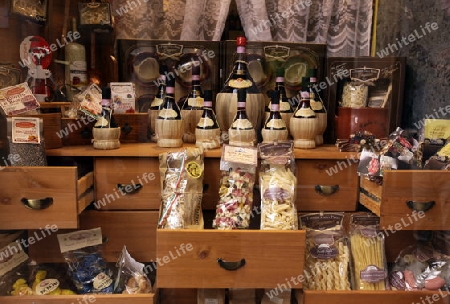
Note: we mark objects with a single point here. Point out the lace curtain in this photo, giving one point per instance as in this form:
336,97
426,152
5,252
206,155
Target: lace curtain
344,25
170,19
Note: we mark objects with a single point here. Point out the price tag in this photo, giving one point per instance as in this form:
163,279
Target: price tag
241,155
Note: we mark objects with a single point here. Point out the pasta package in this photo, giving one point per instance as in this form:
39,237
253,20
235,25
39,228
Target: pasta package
327,252
277,182
238,169
368,254
181,175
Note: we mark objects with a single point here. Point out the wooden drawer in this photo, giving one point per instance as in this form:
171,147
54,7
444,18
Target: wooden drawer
189,259
97,299
133,126
327,185
135,229
129,172
67,197
372,297
403,199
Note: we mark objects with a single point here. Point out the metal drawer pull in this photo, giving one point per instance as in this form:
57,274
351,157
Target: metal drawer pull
326,190
37,204
231,265
134,188
126,129
420,206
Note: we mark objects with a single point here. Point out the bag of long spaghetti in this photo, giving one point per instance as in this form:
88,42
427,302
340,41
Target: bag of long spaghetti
368,254
277,183
327,252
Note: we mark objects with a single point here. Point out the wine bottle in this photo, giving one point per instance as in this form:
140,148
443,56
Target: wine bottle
241,132
239,78
274,127
157,102
192,105
169,123
317,106
286,110
107,119
304,122
207,131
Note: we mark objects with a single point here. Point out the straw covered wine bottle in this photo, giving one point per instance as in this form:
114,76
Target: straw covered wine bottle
240,78
274,127
207,132
317,106
304,122
241,132
169,123
286,110
157,102
192,105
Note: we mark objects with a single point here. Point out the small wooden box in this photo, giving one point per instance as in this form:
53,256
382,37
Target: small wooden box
134,127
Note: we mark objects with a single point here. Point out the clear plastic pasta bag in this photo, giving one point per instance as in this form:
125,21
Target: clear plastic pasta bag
181,175
368,254
238,168
327,252
277,183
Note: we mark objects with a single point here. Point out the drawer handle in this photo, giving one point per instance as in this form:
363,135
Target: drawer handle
134,188
126,129
37,204
231,265
326,190
420,206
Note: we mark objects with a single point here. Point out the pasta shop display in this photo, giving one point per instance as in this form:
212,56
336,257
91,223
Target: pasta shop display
277,182
327,252
368,254
238,168
181,175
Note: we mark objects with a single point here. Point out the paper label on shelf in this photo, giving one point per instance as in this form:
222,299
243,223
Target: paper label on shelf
11,256
79,239
242,155
25,130
437,129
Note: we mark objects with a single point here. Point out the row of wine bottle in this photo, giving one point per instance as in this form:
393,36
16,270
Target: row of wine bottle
240,108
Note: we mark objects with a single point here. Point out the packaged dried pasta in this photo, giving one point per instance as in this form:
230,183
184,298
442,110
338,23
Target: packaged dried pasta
368,254
277,182
181,175
327,252
238,169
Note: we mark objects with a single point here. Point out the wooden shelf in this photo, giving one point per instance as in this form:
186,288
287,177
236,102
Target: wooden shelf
152,150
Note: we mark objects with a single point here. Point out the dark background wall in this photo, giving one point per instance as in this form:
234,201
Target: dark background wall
427,85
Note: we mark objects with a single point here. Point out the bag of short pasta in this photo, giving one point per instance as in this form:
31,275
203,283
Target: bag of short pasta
181,175
368,254
327,252
277,183
238,169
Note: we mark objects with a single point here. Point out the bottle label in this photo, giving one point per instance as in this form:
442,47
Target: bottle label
170,90
240,50
205,122
242,124
196,102
304,94
78,73
195,77
241,104
275,107
275,124
279,79
305,112
240,83
207,104
157,102
167,113
316,105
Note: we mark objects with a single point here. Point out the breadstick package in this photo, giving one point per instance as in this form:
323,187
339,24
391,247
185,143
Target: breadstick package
277,182
181,175
327,252
368,254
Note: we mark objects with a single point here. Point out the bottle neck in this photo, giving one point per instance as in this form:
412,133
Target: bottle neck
241,106
240,67
305,99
